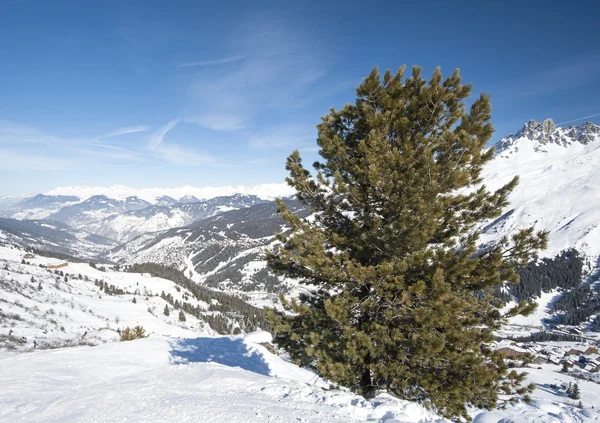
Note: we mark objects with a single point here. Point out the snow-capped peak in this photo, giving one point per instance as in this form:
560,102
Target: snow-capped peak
156,195
546,136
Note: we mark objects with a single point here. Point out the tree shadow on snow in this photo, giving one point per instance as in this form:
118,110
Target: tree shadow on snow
226,351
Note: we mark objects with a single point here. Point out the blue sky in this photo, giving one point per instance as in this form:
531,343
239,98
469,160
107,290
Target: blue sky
171,93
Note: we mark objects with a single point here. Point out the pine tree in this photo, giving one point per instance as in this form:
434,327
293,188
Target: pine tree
134,301
166,311
575,394
181,316
400,292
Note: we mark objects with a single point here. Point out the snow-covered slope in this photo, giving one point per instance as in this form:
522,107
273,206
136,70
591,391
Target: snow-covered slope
126,226
559,188
54,236
37,304
180,380
79,303
40,206
220,379
224,252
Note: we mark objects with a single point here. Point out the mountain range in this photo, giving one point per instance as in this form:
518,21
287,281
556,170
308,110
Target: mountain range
218,235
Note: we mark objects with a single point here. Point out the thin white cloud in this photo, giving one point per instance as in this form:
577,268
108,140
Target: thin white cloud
578,72
16,137
176,155
279,70
218,122
22,161
124,131
290,137
157,137
212,62
172,153
114,153
578,119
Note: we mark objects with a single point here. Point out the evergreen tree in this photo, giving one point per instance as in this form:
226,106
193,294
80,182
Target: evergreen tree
575,394
181,316
134,300
401,295
166,311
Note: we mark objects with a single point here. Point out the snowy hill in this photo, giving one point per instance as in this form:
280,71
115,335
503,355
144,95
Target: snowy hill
221,379
221,239
78,303
54,236
126,226
223,252
559,187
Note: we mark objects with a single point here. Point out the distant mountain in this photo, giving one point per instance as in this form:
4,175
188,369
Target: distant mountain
162,196
122,213
221,239
53,236
224,251
559,185
97,208
126,226
39,206
186,199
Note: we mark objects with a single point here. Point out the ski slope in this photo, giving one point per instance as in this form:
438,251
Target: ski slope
559,186
220,379
37,305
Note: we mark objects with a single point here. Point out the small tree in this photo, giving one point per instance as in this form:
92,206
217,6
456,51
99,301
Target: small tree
129,334
39,286
181,316
574,394
400,293
565,367
134,301
166,311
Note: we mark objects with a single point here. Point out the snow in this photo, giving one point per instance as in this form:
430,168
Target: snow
119,192
76,311
259,336
558,190
185,380
221,379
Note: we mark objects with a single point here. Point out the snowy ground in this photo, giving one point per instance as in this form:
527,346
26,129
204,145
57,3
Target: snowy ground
38,305
221,379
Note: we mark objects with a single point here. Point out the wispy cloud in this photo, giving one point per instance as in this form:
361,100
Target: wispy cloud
125,131
114,153
212,62
579,72
279,66
290,137
24,141
158,136
578,119
172,153
24,161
